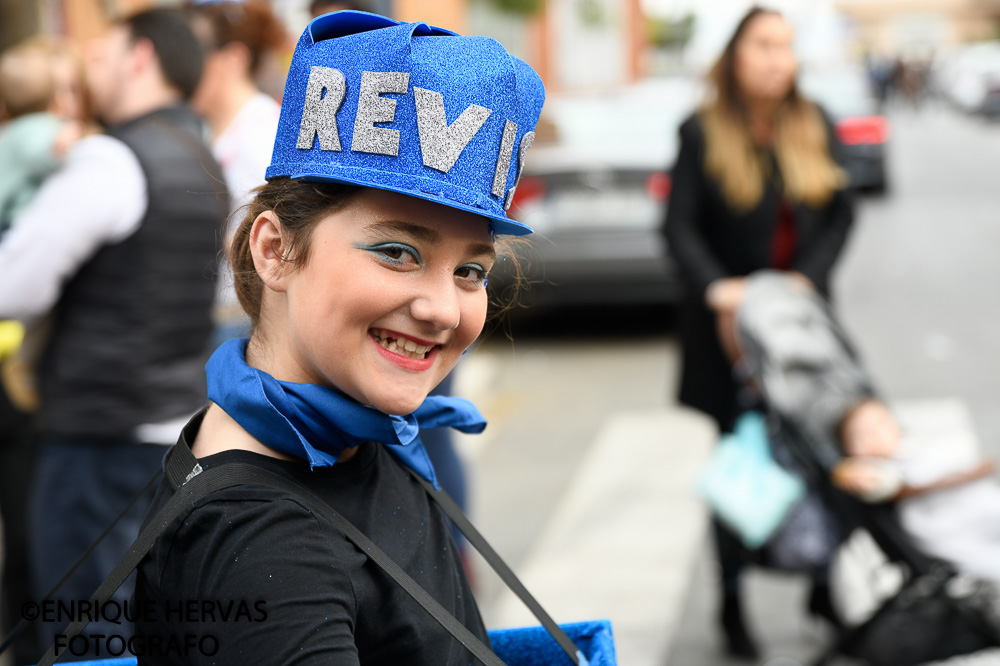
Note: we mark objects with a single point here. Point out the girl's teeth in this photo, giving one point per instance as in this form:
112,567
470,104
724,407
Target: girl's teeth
406,348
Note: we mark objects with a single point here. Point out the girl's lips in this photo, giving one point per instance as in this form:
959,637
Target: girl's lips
405,362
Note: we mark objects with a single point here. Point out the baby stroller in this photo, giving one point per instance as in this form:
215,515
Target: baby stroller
806,374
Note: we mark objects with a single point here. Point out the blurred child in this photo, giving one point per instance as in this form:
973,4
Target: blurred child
43,108
944,495
44,119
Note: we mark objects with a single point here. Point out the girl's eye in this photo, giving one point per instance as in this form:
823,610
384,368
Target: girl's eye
474,273
397,254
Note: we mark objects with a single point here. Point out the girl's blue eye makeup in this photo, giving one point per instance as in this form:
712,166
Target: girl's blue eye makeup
403,254
479,273
391,252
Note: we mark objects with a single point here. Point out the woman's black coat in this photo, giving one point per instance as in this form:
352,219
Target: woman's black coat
708,240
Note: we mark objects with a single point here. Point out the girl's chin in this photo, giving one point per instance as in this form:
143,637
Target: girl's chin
400,406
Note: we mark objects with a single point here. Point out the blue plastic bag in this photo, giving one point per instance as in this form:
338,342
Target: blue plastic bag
746,488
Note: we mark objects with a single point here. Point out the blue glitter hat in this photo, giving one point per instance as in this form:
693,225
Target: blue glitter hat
409,108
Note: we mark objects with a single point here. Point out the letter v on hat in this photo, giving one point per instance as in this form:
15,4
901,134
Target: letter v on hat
409,108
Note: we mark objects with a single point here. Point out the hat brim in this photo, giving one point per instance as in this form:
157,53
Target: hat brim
502,225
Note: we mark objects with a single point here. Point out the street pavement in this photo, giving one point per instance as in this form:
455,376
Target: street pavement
585,433
919,287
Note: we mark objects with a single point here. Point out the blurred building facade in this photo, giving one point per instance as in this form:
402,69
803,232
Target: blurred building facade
573,44
920,27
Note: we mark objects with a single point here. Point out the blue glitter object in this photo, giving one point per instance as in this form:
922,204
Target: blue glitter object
530,646
409,108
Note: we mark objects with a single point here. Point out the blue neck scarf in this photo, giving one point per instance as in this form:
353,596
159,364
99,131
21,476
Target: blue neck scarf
316,423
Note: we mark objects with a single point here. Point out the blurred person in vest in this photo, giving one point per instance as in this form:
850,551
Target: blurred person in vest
237,38
121,244
756,185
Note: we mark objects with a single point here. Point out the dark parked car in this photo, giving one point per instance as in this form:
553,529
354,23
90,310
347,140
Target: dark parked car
845,93
595,194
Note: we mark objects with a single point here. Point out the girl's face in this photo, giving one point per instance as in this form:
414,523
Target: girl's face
390,295
765,64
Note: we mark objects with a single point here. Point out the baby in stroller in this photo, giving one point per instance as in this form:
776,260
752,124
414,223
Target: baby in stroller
944,494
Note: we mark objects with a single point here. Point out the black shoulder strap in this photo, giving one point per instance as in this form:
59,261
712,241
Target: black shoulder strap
477,540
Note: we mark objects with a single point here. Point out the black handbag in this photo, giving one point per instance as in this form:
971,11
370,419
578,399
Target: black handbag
927,621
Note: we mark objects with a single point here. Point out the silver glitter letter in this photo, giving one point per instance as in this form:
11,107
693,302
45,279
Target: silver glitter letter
503,161
526,141
440,143
373,108
319,116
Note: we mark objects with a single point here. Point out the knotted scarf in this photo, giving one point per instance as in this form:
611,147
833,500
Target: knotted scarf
316,423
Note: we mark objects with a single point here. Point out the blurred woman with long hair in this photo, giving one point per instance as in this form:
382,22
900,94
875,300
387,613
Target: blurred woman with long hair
756,186
238,37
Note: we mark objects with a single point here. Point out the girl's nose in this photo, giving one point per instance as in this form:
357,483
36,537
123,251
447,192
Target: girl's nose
438,304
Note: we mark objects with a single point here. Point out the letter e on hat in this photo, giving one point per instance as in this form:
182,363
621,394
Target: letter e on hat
373,108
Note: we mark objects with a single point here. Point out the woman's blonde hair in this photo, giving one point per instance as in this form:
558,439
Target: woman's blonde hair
734,159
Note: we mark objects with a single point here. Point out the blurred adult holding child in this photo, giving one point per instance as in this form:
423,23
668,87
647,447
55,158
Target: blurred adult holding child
119,245
756,185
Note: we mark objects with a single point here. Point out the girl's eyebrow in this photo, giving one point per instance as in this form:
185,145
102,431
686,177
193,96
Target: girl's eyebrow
427,234
485,249
416,231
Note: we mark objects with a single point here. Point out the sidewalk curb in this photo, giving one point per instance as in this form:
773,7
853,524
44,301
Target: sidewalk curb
623,540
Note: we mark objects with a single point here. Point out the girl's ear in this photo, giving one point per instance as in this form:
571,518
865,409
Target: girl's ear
267,245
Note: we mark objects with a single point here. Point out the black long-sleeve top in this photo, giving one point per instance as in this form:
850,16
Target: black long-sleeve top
257,578
709,240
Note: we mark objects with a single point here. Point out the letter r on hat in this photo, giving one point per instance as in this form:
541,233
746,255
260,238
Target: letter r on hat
319,114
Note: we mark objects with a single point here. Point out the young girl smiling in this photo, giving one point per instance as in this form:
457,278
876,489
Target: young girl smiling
362,264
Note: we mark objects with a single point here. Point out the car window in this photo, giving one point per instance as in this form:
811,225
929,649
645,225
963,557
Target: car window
641,119
841,93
